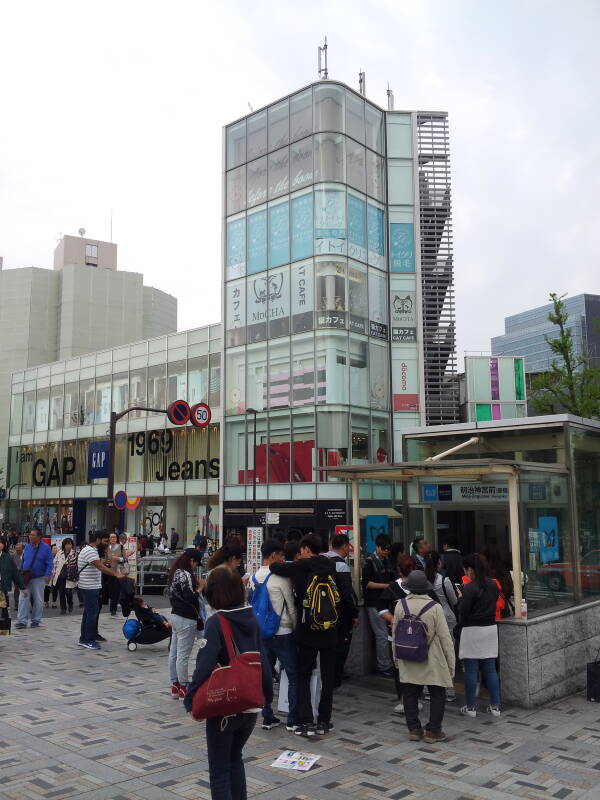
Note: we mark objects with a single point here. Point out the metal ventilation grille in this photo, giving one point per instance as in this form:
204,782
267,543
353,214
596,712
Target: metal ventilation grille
439,345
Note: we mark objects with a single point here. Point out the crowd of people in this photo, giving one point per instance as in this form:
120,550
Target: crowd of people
427,611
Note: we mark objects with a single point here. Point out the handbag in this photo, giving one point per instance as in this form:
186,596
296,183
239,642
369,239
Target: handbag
232,688
27,574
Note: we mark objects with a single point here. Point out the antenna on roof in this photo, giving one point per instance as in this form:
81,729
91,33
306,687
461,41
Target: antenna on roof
390,97
362,85
323,71
250,107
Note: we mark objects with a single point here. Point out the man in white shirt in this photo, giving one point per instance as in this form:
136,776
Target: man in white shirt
280,646
90,567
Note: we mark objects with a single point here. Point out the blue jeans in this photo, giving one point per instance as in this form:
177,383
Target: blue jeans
36,594
488,670
183,633
225,740
91,612
284,648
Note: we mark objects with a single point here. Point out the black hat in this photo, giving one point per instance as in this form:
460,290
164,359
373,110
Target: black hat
417,582
191,552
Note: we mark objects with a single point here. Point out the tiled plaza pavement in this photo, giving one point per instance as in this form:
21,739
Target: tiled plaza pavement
102,725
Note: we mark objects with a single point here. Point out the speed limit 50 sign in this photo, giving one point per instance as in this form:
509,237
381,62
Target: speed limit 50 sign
200,415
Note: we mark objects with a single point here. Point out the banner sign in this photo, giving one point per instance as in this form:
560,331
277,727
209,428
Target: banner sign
463,492
376,236
403,310
98,459
254,539
402,247
236,248
257,242
279,235
357,228
549,546
302,226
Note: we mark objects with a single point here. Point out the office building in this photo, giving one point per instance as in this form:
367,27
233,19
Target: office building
82,305
524,333
338,298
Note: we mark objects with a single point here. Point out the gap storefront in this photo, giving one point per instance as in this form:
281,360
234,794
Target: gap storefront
60,413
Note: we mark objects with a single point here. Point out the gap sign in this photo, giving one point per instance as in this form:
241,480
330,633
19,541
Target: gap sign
98,459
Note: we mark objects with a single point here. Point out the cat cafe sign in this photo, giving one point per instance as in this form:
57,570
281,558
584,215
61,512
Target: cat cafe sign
403,312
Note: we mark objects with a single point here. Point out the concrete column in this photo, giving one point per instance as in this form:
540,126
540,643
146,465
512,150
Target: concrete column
174,515
515,539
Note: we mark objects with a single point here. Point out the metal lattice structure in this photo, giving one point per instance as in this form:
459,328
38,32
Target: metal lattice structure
437,273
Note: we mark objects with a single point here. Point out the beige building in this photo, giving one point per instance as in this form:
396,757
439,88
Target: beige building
82,305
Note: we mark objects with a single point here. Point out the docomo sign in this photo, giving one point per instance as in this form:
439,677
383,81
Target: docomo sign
200,415
179,413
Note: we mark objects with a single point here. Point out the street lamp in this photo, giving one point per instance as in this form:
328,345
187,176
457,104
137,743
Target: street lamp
254,412
8,501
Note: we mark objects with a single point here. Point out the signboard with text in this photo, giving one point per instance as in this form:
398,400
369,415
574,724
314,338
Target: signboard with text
254,540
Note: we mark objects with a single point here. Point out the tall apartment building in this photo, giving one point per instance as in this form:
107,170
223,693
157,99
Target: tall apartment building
524,333
338,296
82,305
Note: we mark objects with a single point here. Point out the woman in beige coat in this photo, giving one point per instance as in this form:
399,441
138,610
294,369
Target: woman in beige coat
436,672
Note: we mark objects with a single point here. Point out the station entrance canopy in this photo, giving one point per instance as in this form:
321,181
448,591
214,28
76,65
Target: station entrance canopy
471,469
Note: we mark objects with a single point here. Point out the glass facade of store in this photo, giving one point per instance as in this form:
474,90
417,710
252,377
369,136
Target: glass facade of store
58,409
559,509
320,292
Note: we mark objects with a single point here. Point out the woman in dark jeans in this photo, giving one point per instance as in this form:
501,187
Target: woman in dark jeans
226,736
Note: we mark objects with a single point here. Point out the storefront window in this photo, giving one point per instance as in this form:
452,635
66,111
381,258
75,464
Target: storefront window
214,386
256,308
56,407
236,190
332,367
71,405
375,176
360,438
279,374
355,116
301,164
585,455
549,576
279,233
257,182
301,115
303,370
16,413
329,157
378,308
329,107
235,313
355,165
236,144
256,387
41,413
303,447
358,303
257,241
235,380
157,386
87,390
359,374
198,379
235,257
177,381
120,392
235,455
279,455
332,439
331,293
357,227
279,172
380,437
137,390
330,221
103,404
29,411
279,123
379,388
302,296
256,135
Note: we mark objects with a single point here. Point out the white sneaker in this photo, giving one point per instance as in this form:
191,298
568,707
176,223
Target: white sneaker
399,709
469,711
495,711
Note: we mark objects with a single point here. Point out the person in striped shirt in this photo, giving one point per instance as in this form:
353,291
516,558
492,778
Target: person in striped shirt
91,567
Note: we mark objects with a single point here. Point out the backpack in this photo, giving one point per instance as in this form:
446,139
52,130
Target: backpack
131,629
268,620
233,688
410,634
319,607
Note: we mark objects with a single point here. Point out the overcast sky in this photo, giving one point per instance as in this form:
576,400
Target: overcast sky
121,105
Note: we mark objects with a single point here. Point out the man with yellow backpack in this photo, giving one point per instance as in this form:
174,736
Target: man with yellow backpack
317,598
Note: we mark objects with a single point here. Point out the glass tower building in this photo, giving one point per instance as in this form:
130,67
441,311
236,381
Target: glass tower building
338,298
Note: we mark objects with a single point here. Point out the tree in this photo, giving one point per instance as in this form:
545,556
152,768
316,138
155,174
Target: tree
571,384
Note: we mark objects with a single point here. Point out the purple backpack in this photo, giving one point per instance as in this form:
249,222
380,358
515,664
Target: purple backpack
410,636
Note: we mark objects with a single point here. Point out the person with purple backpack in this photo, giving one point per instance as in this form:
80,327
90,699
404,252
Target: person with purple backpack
424,653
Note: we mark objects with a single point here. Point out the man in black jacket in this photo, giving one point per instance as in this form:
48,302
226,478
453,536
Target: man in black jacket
340,550
309,642
452,560
377,574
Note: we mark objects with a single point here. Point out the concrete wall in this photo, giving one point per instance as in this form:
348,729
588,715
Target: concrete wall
544,659
71,250
160,313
